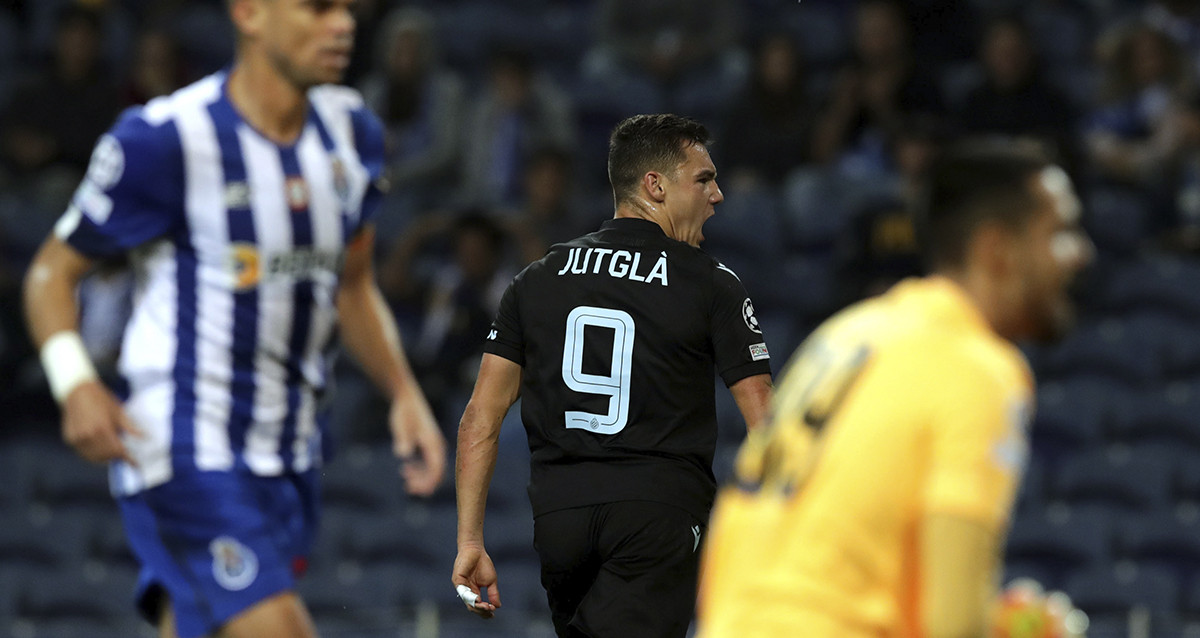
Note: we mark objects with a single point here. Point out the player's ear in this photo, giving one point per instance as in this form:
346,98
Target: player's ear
997,249
248,16
652,183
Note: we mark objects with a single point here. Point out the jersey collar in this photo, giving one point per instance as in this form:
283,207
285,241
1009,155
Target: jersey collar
633,225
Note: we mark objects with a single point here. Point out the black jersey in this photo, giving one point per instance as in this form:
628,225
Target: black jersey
618,333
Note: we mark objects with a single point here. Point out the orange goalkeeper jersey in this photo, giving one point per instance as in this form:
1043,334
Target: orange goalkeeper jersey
900,406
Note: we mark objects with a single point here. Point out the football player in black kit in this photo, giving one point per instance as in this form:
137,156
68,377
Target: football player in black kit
611,340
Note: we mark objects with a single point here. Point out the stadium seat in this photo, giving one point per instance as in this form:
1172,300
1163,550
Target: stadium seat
1047,577
1060,538
1111,591
1160,283
1130,479
349,599
65,595
41,545
1031,495
820,28
63,480
509,537
814,215
107,544
365,478
747,223
1062,33
1165,539
1116,218
1165,414
416,534
1071,415
1110,347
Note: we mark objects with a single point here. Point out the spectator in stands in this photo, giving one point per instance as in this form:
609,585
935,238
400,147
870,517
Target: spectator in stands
1180,20
56,117
685,52
769,127
880,246
1013,98
518,111
157,68
456,292
873,93
1144,126
49,128
549,213
421,105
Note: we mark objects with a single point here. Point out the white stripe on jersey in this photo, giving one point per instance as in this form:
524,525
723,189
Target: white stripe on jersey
273,225
204,186
326,215
333,105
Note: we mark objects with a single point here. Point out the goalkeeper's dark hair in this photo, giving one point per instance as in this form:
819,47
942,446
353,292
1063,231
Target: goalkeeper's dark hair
971,183
645,143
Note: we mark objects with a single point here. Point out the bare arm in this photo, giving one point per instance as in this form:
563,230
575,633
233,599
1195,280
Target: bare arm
496,389
958,563
753,397
369,333
93,419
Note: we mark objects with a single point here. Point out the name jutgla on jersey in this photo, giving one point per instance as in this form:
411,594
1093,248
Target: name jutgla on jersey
622,264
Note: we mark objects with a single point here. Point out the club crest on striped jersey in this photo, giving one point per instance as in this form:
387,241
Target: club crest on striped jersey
341,181
297,193
234,565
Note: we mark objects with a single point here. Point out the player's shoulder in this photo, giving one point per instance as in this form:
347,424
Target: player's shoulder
337,97
152,124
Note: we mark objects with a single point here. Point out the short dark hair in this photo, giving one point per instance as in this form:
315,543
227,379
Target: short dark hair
645,143
974,182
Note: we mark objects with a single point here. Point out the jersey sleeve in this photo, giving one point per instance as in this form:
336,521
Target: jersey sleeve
132,192
737,340
505,338
978,443
368,140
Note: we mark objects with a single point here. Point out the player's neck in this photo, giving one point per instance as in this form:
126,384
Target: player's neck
641,208
989,299
269,102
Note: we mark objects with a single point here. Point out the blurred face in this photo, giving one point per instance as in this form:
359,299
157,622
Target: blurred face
405,55
1006,56
691,194
307,41
879,33
1053,248
1149,58
78,48
777,64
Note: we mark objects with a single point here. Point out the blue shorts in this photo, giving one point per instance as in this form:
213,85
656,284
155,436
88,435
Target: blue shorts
217,543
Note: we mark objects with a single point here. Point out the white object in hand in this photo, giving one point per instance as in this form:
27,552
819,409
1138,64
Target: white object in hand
469,597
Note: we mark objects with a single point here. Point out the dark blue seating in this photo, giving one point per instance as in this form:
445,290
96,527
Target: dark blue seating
1131,479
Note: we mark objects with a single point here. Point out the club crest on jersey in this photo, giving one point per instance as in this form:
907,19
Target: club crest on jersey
297,193
748,316
234,565
341,181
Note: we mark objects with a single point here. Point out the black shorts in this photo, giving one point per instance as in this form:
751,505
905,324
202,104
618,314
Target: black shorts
620,570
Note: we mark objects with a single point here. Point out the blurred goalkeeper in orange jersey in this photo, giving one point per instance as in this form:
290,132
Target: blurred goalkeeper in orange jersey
877,500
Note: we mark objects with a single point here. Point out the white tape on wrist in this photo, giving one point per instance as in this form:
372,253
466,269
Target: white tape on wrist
66,362
469,597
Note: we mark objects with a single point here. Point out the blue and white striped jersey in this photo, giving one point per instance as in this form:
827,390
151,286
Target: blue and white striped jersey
237,245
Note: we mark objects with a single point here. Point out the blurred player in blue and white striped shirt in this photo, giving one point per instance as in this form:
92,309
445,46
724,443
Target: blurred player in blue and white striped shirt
244,202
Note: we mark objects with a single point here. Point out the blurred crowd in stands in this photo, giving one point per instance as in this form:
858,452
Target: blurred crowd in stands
826,113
